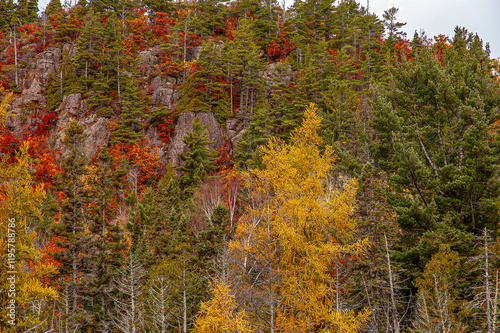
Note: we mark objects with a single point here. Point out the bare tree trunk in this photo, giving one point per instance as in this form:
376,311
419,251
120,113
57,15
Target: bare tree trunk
391,286
44,23
495,304
15,55
337,287
374,319
184,51
489,320
271,280
118,77
61,85
66,308
184,300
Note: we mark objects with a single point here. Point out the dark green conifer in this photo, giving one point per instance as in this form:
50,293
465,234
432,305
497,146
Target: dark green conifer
53,7
70,231
257,134
7,8
439,145
211,240
198,158
132,112
107,243
26,11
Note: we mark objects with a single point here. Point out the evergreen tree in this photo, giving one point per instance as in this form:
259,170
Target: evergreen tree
309,18
191,98
209,17
7,8
70,231
256,135
217,234
132,112
53,7
392,26
66,31
107,239
437,142
243,63
198,160
229,75
163,222
176,282
26,11
53,92
88,44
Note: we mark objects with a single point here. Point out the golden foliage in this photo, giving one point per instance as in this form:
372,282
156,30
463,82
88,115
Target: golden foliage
19,211
4,104
298,224
220,313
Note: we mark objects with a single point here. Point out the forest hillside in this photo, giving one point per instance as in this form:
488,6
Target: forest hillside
217,166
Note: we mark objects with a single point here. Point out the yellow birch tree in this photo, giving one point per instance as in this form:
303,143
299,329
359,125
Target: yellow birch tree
298,222
220,313
23,296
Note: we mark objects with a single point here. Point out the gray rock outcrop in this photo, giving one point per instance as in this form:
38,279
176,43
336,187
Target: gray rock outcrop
148,61
185,126
72,104
97,134
276,73
164,93
42,66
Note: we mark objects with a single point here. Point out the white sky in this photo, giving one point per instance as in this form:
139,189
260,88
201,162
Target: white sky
436,17
442,16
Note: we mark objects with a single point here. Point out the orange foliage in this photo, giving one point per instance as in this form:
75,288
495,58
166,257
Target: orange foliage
161,25
44,159
138,26
166,129
442,42
279,50
139,155
47,258
225,160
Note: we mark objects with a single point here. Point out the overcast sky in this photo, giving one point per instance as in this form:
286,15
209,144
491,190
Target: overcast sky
437,17
442,16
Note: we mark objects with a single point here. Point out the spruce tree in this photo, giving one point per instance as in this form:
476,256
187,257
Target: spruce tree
257,134
198,160
132,112
437,141
163,221
107,239
217,234
26,11
70,231
87,48
7,8
53,7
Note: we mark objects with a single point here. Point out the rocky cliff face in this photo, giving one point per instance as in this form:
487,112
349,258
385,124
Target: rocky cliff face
31,96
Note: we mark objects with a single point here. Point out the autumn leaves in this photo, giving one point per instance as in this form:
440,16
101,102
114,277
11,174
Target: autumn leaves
285,246
277,269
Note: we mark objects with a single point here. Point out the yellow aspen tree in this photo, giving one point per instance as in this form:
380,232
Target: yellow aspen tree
4,105
22,273
297,223
220,313
438,306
